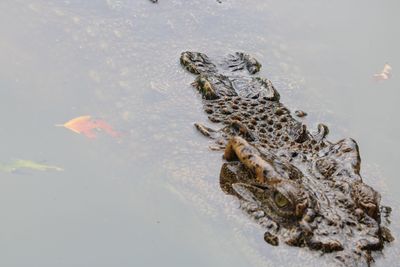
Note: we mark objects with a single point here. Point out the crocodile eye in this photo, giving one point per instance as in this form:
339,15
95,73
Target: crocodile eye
280,200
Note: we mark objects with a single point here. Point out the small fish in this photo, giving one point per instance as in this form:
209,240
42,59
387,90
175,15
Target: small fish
385,74
87,126
27,164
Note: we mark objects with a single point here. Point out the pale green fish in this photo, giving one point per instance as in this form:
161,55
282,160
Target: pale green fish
27,164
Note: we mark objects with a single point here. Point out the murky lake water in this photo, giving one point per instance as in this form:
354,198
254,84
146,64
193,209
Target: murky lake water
152,197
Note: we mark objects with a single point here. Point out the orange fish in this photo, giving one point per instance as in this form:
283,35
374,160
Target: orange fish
88,126
385,74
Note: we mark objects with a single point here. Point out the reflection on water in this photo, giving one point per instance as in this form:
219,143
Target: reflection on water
152,196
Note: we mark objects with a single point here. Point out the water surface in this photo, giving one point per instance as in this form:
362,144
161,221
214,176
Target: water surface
152,196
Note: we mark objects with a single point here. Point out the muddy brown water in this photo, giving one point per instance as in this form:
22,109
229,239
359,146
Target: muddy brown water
152,197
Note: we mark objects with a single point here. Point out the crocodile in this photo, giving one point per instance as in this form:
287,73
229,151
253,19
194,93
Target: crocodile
305,190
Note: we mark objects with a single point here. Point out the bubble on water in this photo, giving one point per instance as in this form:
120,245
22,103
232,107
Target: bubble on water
103,45
124,71
118,33
90,31
76,19
94,75
123,84
114,4
59,12
34,7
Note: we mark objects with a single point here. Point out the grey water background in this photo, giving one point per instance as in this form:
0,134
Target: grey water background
152,196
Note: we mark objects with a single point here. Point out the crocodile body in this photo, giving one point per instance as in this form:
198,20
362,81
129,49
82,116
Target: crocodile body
305,190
